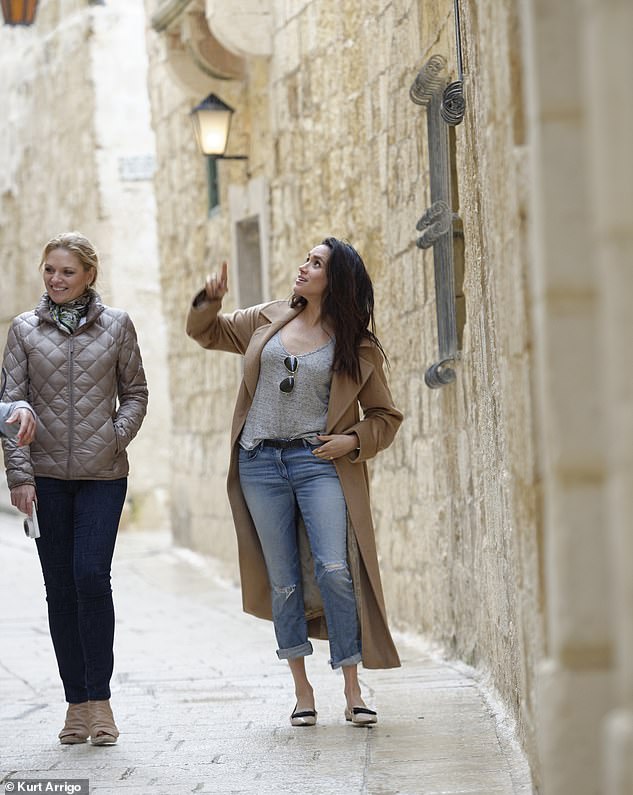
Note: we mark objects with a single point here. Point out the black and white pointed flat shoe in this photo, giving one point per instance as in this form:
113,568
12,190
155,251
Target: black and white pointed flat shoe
307,717
361,716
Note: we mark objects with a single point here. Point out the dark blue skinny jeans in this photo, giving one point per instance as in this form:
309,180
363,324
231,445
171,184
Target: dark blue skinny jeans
78,522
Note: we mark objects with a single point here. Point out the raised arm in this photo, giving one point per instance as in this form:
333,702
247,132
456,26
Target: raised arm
216,331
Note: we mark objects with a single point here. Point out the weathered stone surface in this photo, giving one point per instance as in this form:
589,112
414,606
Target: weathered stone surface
328,122
202,702
76,119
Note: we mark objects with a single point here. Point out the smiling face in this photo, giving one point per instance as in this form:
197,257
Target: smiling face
312,279
65,278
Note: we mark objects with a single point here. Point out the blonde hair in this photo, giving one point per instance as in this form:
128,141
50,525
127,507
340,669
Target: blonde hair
80,246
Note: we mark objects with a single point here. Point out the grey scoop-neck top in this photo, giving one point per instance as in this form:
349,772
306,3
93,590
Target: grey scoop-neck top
300,414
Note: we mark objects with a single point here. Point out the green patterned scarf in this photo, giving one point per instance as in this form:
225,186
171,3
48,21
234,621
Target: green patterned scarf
68,316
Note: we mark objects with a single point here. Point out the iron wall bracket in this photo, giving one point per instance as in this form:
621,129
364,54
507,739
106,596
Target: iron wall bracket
440,224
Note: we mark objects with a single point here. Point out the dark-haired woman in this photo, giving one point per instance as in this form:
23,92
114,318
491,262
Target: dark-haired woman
299,447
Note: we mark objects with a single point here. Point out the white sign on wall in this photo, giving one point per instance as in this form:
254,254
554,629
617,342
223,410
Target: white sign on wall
137,168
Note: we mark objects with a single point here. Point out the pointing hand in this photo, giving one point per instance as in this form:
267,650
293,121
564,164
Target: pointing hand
217,286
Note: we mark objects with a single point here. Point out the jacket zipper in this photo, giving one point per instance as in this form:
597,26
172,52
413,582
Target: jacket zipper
71,404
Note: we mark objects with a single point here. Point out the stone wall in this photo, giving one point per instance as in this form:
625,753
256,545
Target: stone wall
582,244
609,54
48,119
68,138
328,123
190,243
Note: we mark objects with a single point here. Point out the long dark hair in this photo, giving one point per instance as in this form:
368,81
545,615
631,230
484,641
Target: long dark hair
348,304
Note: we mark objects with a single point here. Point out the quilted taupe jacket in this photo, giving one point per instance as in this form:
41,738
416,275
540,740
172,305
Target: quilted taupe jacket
74,382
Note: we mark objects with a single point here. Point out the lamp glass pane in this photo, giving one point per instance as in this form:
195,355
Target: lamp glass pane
19,12
213,130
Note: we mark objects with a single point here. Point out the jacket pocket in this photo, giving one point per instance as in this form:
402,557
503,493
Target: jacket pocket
109,447
118,441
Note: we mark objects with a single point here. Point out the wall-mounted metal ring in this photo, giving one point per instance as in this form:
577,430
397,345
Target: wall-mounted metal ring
440,374
453,104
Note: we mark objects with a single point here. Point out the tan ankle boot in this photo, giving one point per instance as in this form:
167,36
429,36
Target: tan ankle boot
103,730
76,726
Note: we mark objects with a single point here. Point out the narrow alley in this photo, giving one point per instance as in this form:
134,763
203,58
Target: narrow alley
203,704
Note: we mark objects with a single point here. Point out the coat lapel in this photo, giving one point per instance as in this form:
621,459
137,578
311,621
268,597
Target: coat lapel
344,393
258,340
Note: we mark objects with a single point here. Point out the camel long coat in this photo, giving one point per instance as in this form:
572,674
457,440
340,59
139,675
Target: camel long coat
246,332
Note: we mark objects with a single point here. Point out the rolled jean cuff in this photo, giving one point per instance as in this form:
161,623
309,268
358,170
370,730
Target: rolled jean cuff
296,651
353,660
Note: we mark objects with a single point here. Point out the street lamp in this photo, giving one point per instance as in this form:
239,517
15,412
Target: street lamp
19,12
211,123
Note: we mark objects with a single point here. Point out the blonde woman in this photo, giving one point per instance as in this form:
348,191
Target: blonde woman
78,364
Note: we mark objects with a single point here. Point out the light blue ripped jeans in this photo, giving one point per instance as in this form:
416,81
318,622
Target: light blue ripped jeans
275,482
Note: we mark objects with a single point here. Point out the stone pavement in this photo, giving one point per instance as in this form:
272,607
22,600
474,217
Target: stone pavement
203,703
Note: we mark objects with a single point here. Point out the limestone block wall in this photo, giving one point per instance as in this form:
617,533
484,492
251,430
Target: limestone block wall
582,237
48,119
65,139
328,122
610,54
192,242
455,497
127,231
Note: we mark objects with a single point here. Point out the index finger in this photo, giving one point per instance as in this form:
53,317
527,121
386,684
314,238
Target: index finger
224,273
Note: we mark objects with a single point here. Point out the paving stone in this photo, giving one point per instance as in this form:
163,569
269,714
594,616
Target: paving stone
203,703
